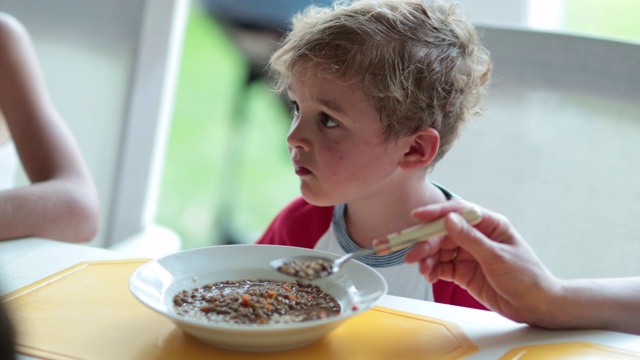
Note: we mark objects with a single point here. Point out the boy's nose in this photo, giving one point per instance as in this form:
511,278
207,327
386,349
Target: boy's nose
296,138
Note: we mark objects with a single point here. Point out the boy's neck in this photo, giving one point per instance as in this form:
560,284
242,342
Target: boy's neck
376,218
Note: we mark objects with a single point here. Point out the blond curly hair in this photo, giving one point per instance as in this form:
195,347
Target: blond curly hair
419,62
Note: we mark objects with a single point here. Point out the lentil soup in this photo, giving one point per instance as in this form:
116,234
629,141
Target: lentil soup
256,302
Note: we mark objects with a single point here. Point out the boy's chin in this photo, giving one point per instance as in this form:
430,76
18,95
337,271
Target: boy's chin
316,200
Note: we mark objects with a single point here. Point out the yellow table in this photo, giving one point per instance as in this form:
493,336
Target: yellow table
40,277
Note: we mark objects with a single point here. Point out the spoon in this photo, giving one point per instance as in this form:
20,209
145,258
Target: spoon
314,267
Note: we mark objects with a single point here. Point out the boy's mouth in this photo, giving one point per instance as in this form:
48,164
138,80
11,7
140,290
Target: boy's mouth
302,171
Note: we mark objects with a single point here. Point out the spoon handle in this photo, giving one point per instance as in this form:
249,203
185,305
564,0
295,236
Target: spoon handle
422,232
354,255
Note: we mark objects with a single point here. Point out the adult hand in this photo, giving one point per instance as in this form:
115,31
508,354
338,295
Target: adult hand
490,260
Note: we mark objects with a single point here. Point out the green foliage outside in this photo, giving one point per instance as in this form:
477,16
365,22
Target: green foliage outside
226,170
609,18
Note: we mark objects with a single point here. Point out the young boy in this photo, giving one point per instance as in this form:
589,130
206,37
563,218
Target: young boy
379,90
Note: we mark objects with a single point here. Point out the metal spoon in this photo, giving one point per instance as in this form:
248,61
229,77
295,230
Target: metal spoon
314,267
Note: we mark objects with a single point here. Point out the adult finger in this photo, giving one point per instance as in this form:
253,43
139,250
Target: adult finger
424,249
436,211
469,238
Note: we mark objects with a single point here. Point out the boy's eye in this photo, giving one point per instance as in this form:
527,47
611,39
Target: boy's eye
295,108
328,121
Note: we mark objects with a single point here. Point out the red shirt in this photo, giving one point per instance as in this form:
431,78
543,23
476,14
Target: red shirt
302,224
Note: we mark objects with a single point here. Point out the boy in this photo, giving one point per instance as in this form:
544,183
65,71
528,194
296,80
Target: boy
379,90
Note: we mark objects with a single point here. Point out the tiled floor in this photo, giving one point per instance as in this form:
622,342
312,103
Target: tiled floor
558,152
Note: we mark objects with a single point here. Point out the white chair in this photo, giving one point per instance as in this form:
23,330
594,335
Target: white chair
111,68
557,149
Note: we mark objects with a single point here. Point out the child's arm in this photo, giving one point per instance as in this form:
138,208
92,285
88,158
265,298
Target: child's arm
61,202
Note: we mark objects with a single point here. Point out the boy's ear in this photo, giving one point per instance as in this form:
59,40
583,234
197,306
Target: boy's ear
423,147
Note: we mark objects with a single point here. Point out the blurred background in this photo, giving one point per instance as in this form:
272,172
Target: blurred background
227,171
186,142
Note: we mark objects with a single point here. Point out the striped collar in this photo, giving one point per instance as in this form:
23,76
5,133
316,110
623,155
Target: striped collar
373,260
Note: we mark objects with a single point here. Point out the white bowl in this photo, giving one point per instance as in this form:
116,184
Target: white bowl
357,288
